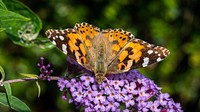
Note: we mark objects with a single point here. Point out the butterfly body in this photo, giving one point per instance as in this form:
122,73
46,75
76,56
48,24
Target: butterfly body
100,61
105,51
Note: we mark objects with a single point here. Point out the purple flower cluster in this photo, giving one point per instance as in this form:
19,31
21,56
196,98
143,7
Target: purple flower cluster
125,92
45,70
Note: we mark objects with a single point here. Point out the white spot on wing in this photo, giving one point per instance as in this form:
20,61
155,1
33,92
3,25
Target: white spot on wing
62,31
57,31
150,51
158,59
146,62
50,32
149,45
61,37
64,48
54,42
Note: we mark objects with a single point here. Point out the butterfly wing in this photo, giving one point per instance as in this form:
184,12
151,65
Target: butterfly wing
116,39
137,53
75,43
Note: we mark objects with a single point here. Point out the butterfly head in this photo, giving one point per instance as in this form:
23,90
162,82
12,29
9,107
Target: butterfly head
100,77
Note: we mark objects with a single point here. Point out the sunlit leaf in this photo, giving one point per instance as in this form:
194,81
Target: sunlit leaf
30,75
6,16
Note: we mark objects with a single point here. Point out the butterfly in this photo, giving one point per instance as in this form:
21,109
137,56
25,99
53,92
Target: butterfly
104,52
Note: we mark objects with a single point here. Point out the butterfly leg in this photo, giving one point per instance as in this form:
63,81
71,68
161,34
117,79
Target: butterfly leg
84,74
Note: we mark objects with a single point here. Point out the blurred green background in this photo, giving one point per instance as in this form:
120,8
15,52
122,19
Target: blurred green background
174,24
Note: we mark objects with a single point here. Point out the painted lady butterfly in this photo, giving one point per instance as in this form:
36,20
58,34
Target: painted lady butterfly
105,51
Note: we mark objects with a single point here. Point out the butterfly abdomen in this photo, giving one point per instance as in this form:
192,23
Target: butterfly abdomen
100,59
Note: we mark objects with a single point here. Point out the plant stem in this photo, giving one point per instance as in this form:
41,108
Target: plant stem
27,79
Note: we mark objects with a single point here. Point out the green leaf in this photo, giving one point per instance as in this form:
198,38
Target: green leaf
17,104
8,94
2,5
44,43
39,88
2,29
29,75
22,31
6,16
2,74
